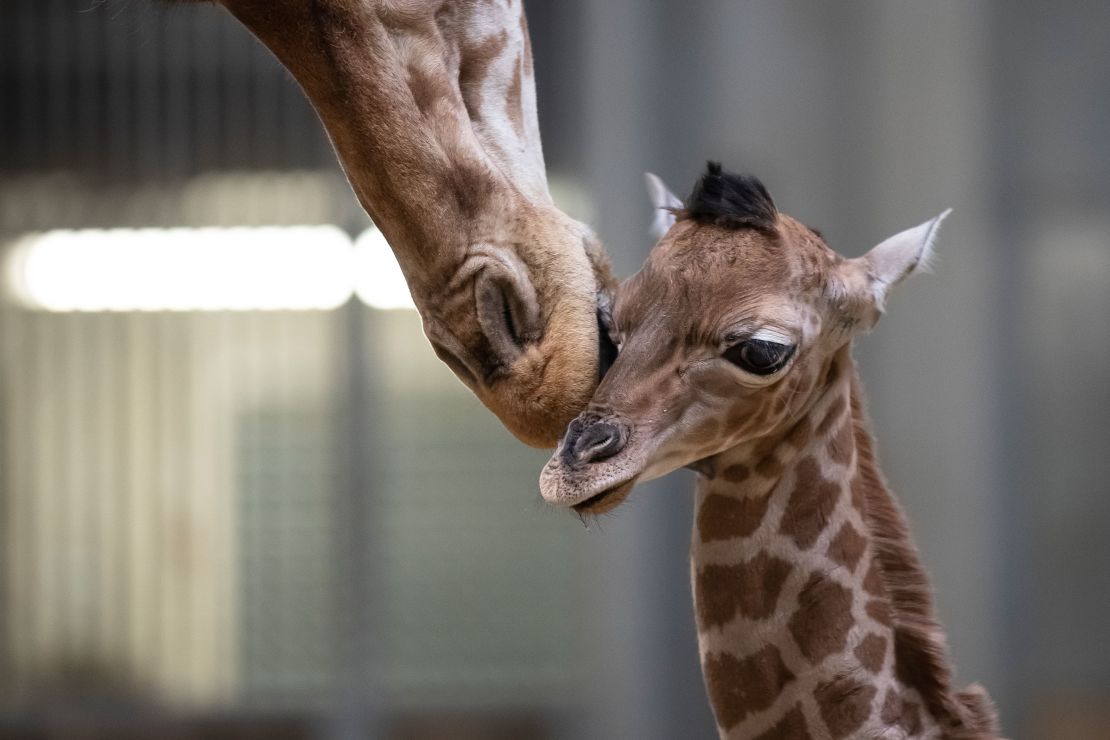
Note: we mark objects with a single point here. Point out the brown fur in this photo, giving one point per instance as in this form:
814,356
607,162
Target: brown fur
791,727
813,499
847,547
741,687
845,704
871,652
820,626
750,588
724,517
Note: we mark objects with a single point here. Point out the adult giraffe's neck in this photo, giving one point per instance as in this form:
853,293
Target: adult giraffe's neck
430,106
813,611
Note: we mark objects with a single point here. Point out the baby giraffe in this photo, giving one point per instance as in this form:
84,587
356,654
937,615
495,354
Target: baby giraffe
813,611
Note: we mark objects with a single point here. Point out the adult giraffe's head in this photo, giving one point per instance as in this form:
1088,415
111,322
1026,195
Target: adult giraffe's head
431,107
725,336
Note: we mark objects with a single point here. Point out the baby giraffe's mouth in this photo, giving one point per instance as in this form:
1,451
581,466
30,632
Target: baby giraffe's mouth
606,500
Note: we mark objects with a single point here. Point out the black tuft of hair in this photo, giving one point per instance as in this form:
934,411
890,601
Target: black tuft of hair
732,201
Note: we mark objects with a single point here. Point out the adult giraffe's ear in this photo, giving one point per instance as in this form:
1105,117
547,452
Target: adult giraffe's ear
865,282
664,203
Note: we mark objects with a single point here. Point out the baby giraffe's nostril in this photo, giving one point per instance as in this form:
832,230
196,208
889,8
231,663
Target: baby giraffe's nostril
597,442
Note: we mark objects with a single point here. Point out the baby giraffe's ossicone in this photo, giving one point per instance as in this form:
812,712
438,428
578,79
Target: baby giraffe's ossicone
814,614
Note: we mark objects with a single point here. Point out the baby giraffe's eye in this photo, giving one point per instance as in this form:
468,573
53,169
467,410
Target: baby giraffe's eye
758,356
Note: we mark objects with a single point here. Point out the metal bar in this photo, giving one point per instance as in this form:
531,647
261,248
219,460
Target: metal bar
358,714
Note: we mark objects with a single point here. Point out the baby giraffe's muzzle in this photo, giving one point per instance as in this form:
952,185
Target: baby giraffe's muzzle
589,471
590,439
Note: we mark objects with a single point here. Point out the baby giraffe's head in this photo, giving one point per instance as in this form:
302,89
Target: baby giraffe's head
725,336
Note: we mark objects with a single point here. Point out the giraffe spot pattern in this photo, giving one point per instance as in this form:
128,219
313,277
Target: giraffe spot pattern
770,467
897,712
879,611
766,446
474,66
738,415
799,434
736,473
871,652
426,88
792,726
741,686
472,188
821,624
750,588
724,517
847,547
845,704
810,506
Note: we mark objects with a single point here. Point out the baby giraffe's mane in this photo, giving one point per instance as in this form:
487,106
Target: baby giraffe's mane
920,653
732,201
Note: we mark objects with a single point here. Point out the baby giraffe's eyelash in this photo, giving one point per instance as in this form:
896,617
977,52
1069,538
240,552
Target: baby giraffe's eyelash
776,336
763,334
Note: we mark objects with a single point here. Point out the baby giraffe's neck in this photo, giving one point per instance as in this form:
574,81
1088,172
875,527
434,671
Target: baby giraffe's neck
814,617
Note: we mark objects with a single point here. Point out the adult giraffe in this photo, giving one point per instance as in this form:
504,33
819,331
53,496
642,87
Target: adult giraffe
431,108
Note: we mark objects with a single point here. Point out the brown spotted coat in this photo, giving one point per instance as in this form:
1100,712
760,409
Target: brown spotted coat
813,611
790,566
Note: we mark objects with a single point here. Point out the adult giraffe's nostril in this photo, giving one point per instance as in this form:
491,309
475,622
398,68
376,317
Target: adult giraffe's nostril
591,442
508,310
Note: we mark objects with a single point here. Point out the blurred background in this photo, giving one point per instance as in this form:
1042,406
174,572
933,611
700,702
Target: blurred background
232,508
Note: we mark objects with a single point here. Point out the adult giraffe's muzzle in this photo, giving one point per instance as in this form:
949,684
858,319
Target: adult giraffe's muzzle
521,324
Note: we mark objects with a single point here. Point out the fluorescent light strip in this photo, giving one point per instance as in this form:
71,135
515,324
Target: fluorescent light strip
378,278
206,269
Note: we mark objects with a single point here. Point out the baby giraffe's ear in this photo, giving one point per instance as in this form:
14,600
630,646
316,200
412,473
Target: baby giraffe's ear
867,280
664,202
